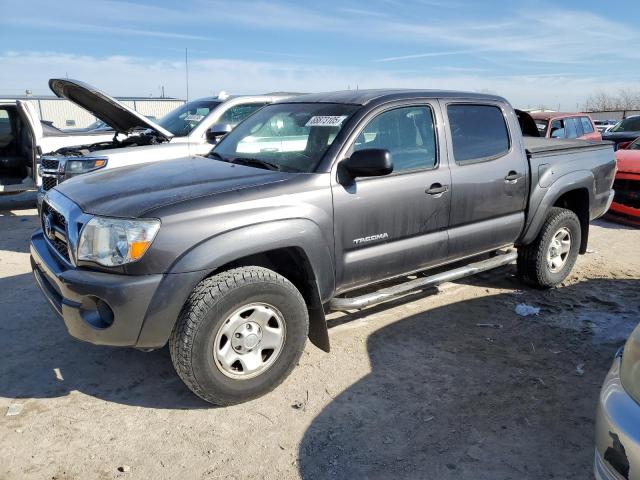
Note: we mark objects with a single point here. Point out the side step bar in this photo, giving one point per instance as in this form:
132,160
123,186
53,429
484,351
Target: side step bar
357,303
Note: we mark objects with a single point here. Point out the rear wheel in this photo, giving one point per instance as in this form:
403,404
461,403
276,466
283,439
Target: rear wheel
239,335
548,260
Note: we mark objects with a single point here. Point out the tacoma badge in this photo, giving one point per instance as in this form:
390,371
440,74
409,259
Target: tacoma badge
371,238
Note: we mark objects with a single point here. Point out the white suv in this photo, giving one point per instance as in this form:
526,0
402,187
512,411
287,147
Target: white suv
191,129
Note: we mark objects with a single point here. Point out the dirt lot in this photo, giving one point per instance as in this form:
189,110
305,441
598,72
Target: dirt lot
412,389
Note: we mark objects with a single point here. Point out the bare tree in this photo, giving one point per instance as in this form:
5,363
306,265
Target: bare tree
626,99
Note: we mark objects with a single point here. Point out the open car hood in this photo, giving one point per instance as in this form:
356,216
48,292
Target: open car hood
121,118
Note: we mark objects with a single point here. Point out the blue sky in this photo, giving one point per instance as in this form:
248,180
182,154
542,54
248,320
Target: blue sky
532,52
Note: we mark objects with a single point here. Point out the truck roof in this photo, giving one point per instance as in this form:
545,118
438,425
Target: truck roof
364,97
550,115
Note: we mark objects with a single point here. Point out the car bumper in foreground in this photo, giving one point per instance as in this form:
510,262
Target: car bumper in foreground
108,308
617,455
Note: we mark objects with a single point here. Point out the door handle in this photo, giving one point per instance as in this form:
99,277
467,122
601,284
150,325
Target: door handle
512,177
436,189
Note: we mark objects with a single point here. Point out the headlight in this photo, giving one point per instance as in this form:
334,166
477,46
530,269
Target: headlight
114,241
77,167
630,368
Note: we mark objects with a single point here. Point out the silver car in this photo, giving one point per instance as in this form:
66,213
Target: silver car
617,453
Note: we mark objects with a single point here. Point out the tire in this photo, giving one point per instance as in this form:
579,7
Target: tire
221,320
534,266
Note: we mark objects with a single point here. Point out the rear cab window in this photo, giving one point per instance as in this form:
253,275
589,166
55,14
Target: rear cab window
478,132
587,127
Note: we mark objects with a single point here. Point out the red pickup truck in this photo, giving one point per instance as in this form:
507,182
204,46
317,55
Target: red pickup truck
566,125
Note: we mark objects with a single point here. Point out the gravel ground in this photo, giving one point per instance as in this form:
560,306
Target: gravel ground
449,385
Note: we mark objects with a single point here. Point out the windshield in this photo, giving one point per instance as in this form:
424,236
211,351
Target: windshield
291,137
185,118
631,124
542,126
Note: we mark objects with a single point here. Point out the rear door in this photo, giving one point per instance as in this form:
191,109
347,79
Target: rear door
589,131
489,172
394,224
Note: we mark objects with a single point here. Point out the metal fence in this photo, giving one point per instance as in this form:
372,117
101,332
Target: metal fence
613,114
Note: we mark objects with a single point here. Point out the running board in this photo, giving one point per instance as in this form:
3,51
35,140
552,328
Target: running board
357,303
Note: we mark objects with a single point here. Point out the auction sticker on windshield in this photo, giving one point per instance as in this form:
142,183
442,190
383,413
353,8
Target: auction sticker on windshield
193,118
326,121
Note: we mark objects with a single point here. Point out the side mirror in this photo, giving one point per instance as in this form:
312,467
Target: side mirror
217,131
369,162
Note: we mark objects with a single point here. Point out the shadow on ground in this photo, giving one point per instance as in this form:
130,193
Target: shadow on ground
447,398
41,360
17,201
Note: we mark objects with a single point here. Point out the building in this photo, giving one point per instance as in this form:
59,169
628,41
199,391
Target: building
65,114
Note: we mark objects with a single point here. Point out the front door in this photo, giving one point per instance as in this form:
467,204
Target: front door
395,224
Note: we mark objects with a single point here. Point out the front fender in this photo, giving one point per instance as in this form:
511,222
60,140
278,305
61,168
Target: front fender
542,199
232,245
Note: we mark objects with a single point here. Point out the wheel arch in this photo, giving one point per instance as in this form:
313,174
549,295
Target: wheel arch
296,249
574,191
577,201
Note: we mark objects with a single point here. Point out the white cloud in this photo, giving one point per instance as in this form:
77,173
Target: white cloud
129,76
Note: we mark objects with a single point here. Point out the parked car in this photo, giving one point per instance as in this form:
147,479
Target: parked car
184,131
625,131
617,454
233,258
566,125
626,202
23,136
604,125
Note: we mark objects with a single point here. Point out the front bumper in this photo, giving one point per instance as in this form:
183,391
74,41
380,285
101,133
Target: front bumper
617,455
626,206
97,307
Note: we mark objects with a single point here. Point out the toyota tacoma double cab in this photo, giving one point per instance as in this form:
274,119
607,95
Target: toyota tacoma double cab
234,258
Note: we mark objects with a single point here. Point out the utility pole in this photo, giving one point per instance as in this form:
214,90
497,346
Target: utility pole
186,69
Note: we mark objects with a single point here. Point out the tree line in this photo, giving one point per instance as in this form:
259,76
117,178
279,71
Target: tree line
625,99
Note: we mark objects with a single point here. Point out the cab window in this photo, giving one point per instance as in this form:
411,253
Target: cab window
586,125
570,128
237,113
407,133
478,132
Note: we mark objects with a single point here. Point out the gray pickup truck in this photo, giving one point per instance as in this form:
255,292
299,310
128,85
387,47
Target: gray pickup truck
234,258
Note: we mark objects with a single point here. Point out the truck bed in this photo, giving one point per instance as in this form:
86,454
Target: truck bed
535,146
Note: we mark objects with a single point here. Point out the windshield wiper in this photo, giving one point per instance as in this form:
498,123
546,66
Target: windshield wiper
217,156
256,162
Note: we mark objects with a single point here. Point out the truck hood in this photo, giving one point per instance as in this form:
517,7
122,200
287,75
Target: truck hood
137,190
628,161
620,137
121,118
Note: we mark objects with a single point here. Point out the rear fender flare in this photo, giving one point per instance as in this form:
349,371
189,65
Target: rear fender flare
571,181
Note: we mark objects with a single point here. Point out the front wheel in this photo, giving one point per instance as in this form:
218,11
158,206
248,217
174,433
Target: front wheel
548,260
239,335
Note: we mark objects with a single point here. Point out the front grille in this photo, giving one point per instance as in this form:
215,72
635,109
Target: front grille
49,182
49,164
627,192
56,234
